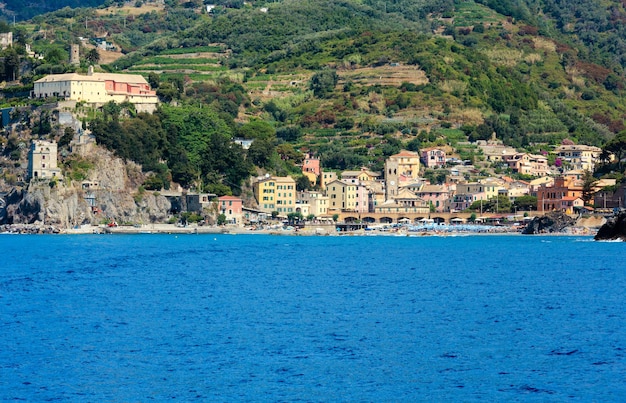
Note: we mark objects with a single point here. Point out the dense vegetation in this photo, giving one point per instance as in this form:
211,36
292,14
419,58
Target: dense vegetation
25,9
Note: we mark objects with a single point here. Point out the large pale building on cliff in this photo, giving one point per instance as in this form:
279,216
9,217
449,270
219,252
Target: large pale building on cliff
98,88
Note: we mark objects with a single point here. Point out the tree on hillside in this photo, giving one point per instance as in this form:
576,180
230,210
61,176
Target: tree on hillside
289,133
589,181
617,147
257,129
11,64
260,152
323,83
224,166
67,137
154,80
92,56
56,56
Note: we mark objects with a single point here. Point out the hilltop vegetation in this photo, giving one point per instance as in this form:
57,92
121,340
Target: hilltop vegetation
352,82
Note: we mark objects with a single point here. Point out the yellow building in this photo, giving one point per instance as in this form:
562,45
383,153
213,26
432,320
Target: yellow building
342,196
317,202
97,88
489,189
362,176
276,193
327,177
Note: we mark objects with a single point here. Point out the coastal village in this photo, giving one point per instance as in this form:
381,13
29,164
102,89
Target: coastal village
457,192
355,199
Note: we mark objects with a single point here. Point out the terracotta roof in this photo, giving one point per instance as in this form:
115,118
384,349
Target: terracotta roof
406,153
98,77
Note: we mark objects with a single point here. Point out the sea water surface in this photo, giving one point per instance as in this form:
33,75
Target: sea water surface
228,318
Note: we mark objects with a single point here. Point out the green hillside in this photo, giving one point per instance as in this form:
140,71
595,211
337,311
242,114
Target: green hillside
355,81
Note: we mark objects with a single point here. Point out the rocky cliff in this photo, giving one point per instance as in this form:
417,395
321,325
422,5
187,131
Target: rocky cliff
112,195
613,229
550,223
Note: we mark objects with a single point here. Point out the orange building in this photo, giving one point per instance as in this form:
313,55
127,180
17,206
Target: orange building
555,197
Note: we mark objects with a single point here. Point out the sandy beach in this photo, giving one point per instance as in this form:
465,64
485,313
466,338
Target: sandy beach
307,231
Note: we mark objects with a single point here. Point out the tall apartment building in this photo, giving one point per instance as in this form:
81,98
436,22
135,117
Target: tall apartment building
276,193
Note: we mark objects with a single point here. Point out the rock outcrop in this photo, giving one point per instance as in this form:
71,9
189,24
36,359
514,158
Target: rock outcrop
65,204
613,229
553,222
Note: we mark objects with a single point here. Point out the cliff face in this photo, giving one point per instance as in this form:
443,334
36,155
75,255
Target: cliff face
114,195
41,204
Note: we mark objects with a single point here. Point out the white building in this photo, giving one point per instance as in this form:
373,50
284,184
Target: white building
317,202
579,156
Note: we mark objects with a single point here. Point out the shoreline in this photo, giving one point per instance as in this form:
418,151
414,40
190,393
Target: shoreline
319,230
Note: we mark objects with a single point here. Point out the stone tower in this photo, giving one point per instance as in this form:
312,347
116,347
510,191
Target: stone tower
391,178
42,160
75,54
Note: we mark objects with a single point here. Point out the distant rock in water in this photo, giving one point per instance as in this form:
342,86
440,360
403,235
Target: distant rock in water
552,222
614,228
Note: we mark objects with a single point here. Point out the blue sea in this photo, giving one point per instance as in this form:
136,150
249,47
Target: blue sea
224,318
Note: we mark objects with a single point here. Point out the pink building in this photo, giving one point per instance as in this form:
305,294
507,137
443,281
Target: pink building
311,165
130,88
438,195
433,157
232,208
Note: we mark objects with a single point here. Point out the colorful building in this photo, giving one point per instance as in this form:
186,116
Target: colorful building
327,177
433,157
550,198
528,164
342,196
318,203
436,195
579,156
312,165
232,208
276,193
